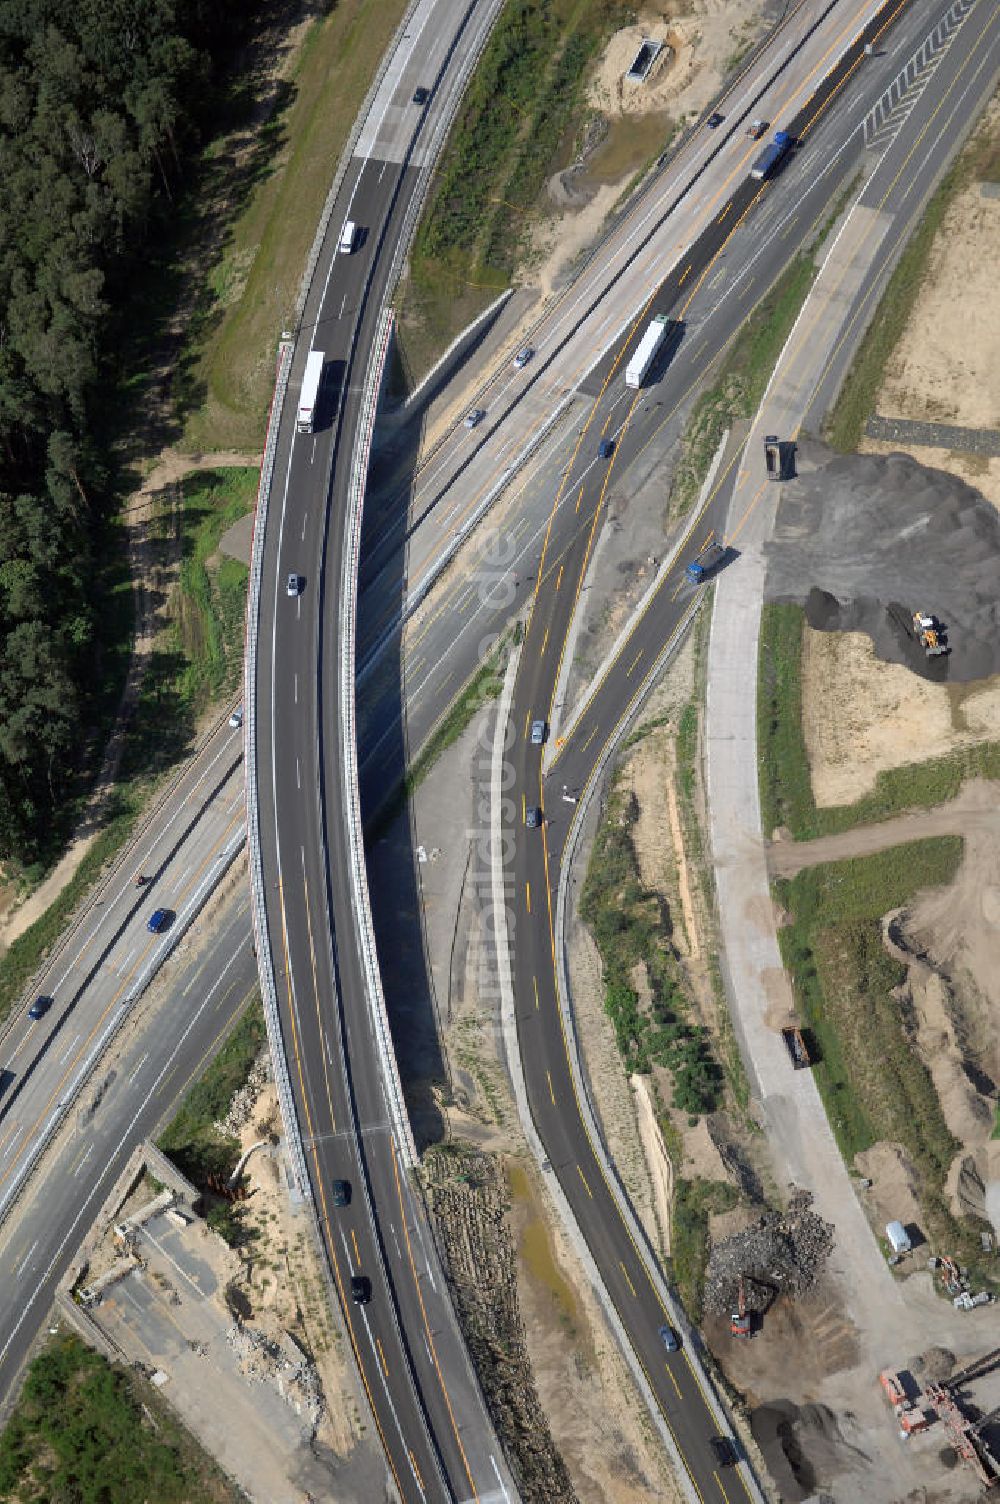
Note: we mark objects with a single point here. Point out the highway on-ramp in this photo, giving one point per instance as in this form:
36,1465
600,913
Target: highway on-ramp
534,876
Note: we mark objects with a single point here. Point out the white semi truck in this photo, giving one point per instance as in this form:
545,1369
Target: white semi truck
638,367
306,418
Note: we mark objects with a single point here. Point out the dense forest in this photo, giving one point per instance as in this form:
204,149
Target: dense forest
101,102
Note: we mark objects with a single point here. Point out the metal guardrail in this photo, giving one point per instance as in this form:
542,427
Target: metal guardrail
587,1112
265,961
360,900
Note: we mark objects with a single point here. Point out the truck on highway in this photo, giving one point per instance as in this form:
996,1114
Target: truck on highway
772,155
638,367
706,561
306,417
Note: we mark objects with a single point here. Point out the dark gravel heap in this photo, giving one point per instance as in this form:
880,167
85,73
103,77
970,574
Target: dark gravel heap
862,541
781,1252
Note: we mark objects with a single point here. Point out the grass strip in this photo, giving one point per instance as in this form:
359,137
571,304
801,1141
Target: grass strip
26,954
84,1429
694,1202
192,1138
250,294
873,1083
521,112
632,927
786,796
742,380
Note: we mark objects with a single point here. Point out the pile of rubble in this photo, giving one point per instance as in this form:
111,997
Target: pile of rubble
782,1252
241,1108
279,1361
467,1196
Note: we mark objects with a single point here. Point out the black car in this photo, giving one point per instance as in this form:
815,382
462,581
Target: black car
361,1289
40,1007
605,449
421,95
725,1453
714,120
341,1193
532,817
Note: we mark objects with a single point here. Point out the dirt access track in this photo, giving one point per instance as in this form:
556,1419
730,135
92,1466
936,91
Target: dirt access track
975,812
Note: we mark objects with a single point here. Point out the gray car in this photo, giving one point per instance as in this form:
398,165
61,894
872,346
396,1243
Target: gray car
475,417
538,731
532,817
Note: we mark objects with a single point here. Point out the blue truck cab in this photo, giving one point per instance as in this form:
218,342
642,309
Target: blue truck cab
702,566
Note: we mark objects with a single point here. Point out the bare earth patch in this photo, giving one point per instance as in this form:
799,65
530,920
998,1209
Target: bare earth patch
861,716
683,80
944,368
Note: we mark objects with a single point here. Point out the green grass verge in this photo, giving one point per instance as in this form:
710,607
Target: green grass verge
25,955
845,426
519,115
694,1202
786,796
86,1431
873,1084
631,925
200,657
191,1138
250,293
739,387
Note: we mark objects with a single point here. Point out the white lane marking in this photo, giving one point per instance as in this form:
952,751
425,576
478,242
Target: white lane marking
17,1135
69,1049
138,1067
111,1169
298,773
21,1266
305,519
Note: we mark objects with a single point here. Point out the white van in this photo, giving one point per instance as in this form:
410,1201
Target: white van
347,237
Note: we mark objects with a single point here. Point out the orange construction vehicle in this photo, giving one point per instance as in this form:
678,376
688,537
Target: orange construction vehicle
740,1324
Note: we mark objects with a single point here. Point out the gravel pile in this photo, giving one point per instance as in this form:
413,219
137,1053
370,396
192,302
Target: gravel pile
243,1105
862,541
781,1252
468,1201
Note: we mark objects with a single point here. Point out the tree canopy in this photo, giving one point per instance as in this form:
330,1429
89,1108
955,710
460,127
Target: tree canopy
99,102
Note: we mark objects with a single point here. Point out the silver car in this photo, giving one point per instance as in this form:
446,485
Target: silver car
294,586
475,417
538,730
522,357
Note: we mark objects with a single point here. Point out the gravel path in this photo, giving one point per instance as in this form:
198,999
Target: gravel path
976,810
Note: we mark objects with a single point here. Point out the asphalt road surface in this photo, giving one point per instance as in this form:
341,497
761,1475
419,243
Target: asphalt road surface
431,1420
180,1022
538,852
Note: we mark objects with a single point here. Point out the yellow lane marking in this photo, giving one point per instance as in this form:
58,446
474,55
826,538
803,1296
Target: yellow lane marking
635,660
548,1077
585,1185
559,577
684,275
357,1251
545,641
673,1380
534,983
627,1279
527,894
580,497
385,1366
427,1325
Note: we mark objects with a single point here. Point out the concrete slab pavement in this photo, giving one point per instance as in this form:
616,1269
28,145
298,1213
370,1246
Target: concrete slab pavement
759,991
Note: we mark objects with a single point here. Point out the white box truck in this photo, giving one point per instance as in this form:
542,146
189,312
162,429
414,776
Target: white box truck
310,391
638,367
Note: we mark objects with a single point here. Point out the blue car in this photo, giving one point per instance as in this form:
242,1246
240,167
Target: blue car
40,1007
160,920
